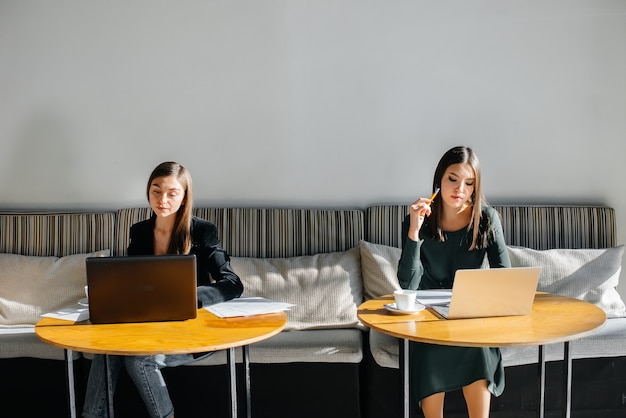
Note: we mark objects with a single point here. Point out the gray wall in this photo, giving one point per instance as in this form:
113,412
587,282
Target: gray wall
325,103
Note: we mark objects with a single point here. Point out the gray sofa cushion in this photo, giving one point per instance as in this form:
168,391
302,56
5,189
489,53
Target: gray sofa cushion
321,346
23,342
588,274
607,341
326,289
31,286
310,346
379,266
385,349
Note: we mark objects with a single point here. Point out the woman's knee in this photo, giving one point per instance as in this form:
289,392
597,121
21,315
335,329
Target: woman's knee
139,364
432,406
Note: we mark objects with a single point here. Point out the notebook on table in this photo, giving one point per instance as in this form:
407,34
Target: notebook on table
141,288
480,293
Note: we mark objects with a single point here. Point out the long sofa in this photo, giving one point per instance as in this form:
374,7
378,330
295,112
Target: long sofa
326,262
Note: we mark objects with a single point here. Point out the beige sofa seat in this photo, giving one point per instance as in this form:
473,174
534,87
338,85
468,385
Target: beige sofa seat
311,346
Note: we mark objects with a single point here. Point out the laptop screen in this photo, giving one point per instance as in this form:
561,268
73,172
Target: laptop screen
142,288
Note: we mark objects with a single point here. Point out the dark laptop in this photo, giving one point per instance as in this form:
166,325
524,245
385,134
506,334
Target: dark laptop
142,288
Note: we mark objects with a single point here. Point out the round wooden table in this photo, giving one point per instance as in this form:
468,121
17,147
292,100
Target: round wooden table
553,319
205,333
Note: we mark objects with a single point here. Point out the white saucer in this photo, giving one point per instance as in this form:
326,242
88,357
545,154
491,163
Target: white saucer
84,302
391,307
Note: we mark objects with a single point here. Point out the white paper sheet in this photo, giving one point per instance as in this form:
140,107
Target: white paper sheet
434,297
76,313
247,306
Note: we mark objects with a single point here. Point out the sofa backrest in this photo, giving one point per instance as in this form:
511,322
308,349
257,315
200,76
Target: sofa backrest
55,234
250,232
532,226
548,227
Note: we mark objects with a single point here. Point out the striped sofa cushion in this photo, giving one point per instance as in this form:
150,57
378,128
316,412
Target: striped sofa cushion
249,232
55,234
538,227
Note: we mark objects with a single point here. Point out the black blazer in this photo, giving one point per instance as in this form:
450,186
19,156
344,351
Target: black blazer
217,282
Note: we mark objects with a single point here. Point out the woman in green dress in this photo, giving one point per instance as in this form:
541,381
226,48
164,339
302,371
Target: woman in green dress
455,230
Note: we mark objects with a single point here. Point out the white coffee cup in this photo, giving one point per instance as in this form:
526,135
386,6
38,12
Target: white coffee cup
405,299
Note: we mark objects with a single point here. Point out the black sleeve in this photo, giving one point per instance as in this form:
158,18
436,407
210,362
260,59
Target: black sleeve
217,282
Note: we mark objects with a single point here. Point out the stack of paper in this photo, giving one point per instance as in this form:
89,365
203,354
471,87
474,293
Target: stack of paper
247,307
75,313
434,297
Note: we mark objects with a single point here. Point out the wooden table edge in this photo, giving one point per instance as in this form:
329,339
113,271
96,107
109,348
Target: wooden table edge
54,323
431,317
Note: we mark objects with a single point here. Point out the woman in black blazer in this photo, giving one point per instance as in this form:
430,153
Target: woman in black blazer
170,230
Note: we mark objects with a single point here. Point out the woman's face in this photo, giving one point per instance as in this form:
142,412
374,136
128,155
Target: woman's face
457,186
166,196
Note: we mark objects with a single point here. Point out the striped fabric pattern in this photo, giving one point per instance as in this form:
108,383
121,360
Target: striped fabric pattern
124,219
549,227
250,232
55,234
537,227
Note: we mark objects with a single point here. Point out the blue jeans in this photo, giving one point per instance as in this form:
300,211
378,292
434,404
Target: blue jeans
145,372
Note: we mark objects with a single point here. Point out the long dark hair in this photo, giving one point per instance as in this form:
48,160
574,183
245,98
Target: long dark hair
180,243
461,155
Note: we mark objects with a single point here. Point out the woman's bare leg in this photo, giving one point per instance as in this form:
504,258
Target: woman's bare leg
432,406
478,399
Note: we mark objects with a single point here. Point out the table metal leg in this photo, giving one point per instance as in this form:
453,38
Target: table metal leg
108,382
246,370
404,377
70,382
232,366
541,386
567,380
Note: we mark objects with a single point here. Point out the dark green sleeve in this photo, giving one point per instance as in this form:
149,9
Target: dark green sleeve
497,253
410,267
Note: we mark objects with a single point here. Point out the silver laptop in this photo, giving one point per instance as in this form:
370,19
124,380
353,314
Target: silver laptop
479,293
141,288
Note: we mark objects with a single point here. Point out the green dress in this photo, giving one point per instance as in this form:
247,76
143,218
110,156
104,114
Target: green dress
431,264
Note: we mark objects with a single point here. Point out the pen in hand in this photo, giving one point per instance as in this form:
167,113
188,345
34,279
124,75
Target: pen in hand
433,196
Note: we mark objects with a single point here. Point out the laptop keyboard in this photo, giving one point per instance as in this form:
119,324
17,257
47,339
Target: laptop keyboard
442,310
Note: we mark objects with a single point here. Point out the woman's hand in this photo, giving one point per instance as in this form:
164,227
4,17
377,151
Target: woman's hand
418,210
